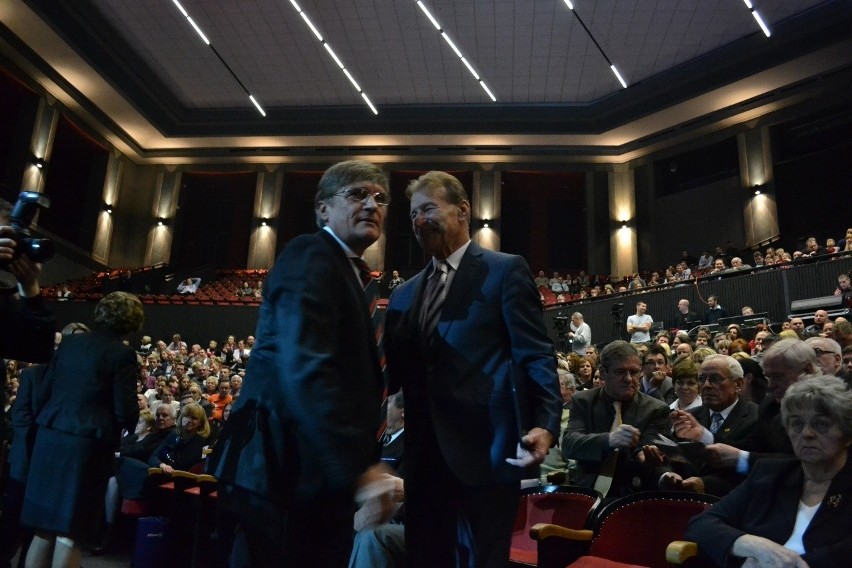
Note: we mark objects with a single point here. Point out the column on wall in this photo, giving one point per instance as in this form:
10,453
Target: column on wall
622,212
374,256
41,145
264,232
757,178
486,196
163,213
103,231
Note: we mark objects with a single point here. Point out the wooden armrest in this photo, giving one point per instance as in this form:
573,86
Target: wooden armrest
184,475
155,471
541,531
679,551
205,478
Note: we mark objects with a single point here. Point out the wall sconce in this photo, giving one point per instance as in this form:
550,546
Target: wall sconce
160,221
757,189
485,223
625,224
109,210
263,223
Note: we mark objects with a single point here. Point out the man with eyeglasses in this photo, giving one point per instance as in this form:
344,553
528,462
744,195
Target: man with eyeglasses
723,418
783,364
609,427
301,439
828,354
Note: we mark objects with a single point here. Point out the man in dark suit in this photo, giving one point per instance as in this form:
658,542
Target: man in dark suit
685,318
301,438
609,426
783,364
714,312
466,341
723,418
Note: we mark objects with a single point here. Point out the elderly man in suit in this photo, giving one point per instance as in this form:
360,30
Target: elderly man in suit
610,426
723,417
466,340
301,438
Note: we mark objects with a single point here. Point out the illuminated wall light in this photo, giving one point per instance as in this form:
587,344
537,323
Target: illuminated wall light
485,223
109,210
160,222
263,223
39,163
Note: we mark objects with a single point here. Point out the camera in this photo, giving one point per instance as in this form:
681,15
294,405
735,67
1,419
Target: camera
23,213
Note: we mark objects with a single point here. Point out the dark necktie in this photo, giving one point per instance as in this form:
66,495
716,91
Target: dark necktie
364,273
433,297
371,294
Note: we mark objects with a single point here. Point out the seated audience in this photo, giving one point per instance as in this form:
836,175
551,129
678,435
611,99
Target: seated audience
685,377
183,448
791,512
189,286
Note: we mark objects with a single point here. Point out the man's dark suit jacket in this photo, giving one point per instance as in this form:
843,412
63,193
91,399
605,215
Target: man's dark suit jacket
313,387
734,431
393,453
28,330
459,389
89,390
766,504
768,438
587,437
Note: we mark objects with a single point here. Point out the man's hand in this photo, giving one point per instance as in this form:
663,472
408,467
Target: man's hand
26,271
375,489
685,425
657,378
625,436
651,456
533,448
7,245
722,455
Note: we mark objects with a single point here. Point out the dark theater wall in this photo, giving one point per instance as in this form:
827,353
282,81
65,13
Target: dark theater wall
18,106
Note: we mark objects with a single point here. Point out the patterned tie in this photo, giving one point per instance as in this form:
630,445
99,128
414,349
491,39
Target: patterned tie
371,294
433,297
716,420
603,483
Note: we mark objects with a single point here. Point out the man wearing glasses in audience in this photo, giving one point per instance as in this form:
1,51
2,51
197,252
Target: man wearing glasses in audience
611,429
722,418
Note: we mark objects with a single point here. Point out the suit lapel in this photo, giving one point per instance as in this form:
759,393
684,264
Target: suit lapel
463,287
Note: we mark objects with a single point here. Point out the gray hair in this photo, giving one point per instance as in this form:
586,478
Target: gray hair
823,394
734,367
569,378
577,315
824,343
615,352
795,352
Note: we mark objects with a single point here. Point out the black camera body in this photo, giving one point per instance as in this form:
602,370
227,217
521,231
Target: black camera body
23,213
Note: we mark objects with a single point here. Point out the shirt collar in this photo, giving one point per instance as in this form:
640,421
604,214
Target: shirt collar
454,260
349,252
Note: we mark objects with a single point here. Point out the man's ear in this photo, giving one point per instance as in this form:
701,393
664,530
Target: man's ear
464,210
322,210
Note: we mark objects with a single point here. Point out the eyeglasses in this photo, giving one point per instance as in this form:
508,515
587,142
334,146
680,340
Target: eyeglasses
714,379
361,194
621,373
820,352
820,424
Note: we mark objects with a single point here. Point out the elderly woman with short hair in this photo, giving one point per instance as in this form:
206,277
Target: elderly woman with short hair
797,511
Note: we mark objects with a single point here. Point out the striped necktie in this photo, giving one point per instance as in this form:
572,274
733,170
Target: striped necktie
716,420
433,297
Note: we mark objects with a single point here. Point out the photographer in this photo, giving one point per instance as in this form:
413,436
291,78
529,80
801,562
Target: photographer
28,326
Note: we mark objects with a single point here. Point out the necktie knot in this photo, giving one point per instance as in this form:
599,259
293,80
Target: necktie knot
716,420
364,273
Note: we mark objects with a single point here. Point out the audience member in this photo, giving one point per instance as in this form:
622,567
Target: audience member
639,324
790,512
714,312
580,334
685,378
189,286
183,448
655,380
828,355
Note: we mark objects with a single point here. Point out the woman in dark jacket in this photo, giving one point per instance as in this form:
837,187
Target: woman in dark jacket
183,448
87,397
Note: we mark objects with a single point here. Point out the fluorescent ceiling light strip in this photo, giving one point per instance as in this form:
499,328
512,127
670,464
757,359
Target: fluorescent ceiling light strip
194,25
369,104
761,23
569,4
257,104
310,25
455,49
179,7
333,56
618,76
487,90
748,4
429,15
470,68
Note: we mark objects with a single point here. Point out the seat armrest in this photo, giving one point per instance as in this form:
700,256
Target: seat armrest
541,531
679,551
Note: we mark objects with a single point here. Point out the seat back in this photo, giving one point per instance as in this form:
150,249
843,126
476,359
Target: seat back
562,505
637,529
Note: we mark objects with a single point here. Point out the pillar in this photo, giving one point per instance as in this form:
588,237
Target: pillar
760,209
264,231
166,192
486,196
622,213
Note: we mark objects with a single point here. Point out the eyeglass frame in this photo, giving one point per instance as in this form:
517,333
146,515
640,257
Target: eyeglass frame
714,379
381,198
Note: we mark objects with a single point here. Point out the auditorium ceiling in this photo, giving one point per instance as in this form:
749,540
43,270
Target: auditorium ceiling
140,75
